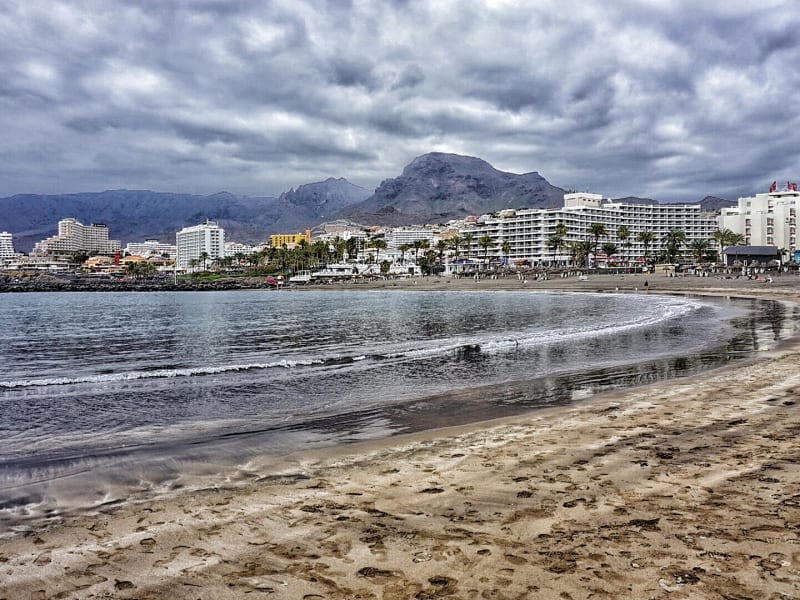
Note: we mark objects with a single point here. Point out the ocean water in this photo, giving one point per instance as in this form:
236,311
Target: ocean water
110,396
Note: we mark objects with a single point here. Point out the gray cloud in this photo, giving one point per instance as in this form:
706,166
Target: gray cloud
664,99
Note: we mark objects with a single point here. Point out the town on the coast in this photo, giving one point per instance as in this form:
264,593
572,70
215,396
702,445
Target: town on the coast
589,233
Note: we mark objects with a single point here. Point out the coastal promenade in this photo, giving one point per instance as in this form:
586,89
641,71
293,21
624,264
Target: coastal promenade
679,489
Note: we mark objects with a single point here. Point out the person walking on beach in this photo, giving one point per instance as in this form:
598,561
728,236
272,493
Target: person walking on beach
646,285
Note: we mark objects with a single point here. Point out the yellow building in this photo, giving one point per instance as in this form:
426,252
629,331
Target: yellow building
290,240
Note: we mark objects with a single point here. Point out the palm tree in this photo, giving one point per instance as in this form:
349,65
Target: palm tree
379,244
726,237
554,242
486,242
441,247
623,235
673,240
403,249
597,230
204,256
455,244
468,242
609,249
561,233
225,262
574,249
699,249
420,245
645,238
505,248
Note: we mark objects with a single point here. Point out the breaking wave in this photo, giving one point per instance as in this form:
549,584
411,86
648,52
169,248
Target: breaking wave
458,348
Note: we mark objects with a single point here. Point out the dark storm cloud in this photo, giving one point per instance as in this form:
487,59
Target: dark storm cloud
667,99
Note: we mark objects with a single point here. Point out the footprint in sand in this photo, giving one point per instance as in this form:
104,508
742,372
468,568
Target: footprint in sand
422,557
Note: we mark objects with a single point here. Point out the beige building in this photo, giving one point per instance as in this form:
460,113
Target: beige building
290,240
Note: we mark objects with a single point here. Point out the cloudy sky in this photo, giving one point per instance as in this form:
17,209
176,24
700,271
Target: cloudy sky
672,100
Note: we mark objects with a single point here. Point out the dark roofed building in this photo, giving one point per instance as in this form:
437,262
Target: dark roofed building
748,255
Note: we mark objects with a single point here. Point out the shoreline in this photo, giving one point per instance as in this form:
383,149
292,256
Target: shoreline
681,488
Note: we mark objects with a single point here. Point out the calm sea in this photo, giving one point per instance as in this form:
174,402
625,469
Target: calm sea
106,396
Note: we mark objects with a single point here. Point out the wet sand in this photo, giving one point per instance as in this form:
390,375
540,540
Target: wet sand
682,489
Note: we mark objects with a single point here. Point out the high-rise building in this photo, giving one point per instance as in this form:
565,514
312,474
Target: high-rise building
530,232
766,219
76,238
407,236
206,240
7,246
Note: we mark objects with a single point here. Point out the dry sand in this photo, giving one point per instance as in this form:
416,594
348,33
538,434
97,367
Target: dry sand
682,489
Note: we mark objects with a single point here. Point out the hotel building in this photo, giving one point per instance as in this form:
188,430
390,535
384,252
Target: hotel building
76,238
528,231
150,248
207,237
7,247
407,236
766,219
290,240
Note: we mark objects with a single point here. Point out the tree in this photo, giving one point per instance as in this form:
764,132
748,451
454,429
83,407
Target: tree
726,237
624,235
699,249
579,251
505,248
403,249
204,256
468,242
673,240
646,238
597,230
486,242
379,244
352,246
560,231
441,247
455,244
419,245
554,242
427,262
225,262
609,249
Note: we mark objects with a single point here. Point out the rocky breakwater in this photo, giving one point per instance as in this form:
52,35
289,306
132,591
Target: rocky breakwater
31,281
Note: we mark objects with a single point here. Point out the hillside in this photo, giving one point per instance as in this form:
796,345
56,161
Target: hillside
437,187
135,215
433,188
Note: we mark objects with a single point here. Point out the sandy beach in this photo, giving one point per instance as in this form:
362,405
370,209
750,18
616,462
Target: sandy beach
688,488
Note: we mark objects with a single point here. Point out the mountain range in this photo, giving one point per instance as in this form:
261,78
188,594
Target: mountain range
433,188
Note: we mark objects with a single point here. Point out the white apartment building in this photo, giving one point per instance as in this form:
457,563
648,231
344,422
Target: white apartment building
234,248
766,219
7,247
408,235
76,238
529,231
207,237
150,248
